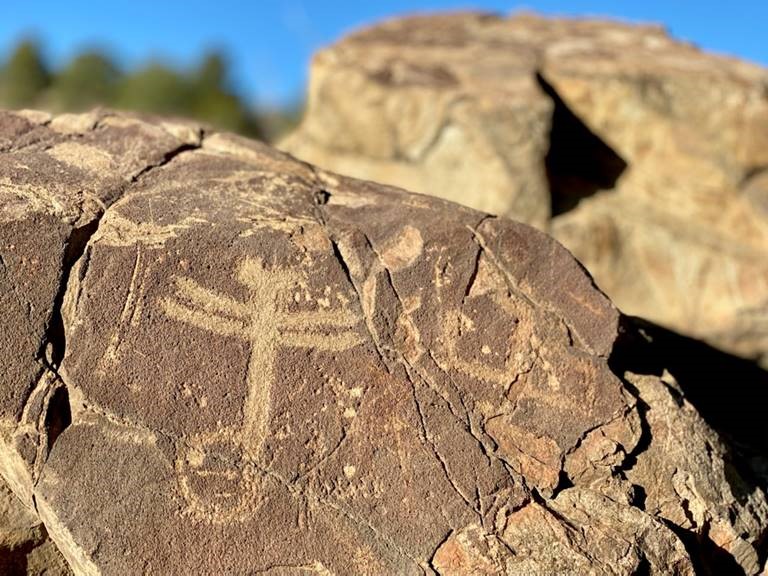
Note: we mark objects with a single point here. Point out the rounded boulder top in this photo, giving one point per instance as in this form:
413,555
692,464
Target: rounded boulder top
224,360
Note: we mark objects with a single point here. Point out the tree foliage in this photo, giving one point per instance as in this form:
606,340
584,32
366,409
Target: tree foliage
92,78
24,76
88,80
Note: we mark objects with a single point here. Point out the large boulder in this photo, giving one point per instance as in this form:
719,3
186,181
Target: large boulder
645,156
223,360
433,106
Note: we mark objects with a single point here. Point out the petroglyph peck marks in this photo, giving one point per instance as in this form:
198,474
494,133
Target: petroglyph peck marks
217,471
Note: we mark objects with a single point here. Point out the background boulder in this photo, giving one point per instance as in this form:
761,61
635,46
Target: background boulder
644,156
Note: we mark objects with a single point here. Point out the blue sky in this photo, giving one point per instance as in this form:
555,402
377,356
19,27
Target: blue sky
270,43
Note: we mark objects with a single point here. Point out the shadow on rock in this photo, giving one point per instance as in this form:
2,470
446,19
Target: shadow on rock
730,394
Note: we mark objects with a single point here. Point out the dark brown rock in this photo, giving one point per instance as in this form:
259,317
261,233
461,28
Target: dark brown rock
268,368
56,179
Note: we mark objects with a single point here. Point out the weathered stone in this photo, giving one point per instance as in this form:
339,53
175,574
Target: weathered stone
682,240
692,488
655,152
55,182
562,536
421,104
25,549
265,367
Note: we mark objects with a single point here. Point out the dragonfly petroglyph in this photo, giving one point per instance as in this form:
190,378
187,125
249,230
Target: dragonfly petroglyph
217,470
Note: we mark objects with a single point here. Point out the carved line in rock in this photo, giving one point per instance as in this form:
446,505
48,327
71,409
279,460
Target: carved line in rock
227,456
515,361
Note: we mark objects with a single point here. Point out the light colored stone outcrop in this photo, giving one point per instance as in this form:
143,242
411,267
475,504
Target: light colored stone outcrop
643,155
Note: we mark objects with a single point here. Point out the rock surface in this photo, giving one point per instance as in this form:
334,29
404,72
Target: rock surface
25,549
646,157
227,361
422,103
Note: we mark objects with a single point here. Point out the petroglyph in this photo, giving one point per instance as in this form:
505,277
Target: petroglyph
130,314
493,360
19,199
403,249
116,230
82,156
273,220
489,336
225,459
258,185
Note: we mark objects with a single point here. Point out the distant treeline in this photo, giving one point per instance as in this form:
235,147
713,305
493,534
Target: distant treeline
92,78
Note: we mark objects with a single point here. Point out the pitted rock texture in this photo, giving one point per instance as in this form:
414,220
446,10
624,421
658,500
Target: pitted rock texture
263,367
644,156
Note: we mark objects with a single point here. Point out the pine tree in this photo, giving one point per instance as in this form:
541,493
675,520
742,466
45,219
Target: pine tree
24,76
88,80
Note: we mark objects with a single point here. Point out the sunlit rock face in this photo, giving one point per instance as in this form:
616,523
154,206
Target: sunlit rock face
445,105
643,155
218,359
25,548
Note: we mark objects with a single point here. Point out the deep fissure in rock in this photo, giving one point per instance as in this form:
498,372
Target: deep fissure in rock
58,415
58,411
13,561
167,157
708,558
578,163
762,549
54,344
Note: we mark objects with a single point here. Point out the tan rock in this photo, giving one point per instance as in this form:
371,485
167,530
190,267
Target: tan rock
561,536
25,548
682,240
419,105
655,152
266,367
